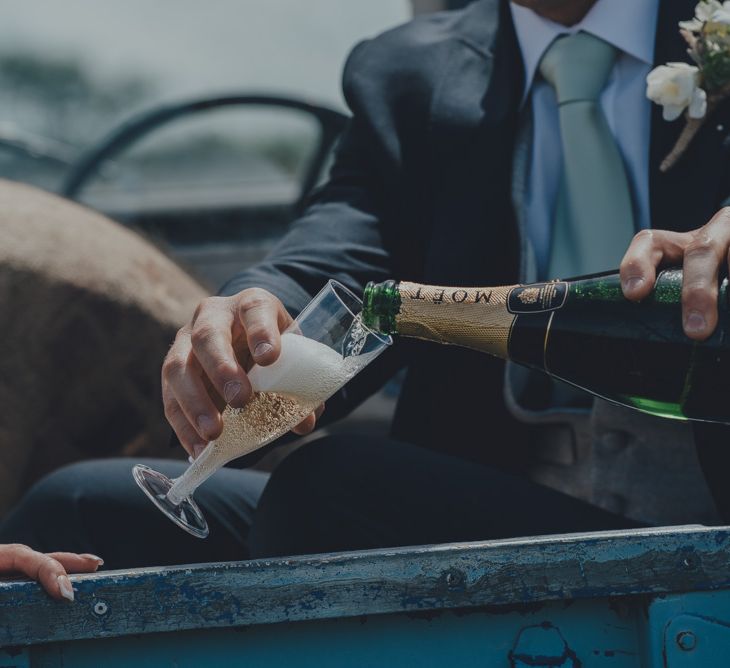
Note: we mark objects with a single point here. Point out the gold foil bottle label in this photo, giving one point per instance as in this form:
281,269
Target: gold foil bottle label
476,318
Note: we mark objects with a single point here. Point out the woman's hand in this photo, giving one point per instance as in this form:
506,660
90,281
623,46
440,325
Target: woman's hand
50,570
701,253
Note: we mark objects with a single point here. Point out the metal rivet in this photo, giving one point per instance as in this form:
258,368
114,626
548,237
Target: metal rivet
455,579
686,640
100,608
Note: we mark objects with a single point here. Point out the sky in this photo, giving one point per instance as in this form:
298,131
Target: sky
198,47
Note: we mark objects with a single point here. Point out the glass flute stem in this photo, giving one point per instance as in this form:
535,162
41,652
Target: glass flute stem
195,475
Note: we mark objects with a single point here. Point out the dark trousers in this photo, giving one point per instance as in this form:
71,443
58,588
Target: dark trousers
338,493
96,507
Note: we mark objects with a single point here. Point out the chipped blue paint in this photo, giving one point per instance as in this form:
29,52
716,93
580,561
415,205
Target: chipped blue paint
590,588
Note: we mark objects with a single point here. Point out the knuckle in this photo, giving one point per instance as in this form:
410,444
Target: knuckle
182,333
644,234
699,293
211,303
207,305
21,556
48,565
172,408
172,366
202,334
702,245
254,298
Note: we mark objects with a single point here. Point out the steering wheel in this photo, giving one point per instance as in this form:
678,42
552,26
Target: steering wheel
331,124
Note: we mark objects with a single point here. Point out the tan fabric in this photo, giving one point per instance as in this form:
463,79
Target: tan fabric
87,312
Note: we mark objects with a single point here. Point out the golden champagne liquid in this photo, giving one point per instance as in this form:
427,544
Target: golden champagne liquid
266,417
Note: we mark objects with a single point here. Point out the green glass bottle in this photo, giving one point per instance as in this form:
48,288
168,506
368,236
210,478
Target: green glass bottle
582,331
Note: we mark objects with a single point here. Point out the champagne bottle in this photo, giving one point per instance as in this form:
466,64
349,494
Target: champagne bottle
582,331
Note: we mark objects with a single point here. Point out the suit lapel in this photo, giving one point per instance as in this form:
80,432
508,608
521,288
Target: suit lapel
685,197
473,120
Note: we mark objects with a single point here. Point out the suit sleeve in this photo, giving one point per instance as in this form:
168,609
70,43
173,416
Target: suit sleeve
346,231
341,233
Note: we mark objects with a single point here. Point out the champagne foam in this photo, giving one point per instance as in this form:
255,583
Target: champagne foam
306,369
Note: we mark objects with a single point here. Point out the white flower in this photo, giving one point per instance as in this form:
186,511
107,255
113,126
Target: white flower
704,11
675,86
722,15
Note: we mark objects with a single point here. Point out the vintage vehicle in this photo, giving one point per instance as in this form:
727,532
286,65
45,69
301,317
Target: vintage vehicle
645,598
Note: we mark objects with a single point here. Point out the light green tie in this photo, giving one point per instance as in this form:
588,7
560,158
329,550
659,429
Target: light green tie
594,221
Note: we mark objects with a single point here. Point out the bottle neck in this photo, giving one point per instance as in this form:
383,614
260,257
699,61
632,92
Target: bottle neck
477,318
381,305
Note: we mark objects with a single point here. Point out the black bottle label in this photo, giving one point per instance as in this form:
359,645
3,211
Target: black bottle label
537,297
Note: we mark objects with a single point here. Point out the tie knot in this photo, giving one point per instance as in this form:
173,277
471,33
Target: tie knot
577,66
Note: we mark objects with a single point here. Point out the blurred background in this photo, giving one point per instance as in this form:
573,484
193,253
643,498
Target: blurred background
197,127
217,180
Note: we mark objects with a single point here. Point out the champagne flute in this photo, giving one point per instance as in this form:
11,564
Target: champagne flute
325,347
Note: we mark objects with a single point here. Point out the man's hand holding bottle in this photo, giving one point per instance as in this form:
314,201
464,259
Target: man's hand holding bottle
702,253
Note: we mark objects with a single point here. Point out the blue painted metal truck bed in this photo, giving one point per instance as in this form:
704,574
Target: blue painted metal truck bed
649,598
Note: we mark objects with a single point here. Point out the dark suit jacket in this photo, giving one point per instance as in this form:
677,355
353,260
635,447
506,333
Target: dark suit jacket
421,190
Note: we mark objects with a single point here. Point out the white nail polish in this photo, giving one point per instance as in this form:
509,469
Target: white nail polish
64,585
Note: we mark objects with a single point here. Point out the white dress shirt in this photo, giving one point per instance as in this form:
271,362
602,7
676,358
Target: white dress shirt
630,26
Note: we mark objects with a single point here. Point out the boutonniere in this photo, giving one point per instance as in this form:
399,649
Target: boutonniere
695,90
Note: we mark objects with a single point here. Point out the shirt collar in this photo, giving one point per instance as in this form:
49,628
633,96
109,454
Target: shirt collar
607,19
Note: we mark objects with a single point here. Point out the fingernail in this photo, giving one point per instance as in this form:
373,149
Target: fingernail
695,322
231,390
198,450
94,557
205,425
64,585
190,459
633,283
262,348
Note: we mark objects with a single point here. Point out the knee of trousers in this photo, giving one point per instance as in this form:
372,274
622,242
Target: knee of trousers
312,470
45,515
298,498
60,488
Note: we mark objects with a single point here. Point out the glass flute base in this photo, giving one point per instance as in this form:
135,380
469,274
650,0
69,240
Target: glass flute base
186,514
